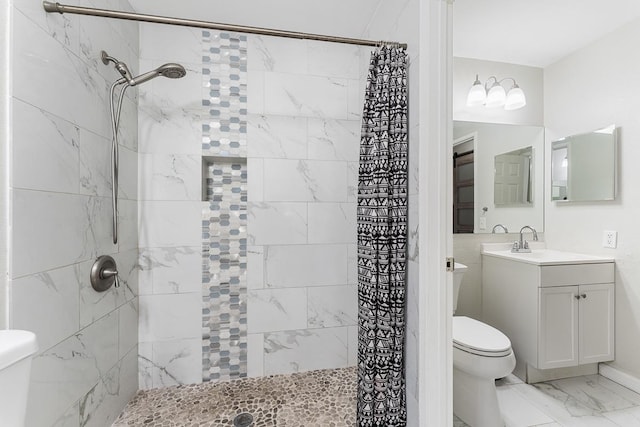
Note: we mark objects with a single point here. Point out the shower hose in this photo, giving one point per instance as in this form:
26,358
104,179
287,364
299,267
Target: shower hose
115,124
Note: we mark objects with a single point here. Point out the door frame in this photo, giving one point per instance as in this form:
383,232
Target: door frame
435,237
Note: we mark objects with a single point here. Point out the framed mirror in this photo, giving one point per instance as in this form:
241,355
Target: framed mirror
583,167
478,207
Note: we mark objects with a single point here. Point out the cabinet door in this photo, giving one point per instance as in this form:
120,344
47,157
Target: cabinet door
558,327
596,323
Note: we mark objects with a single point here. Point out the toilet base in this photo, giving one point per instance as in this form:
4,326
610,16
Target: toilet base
475,400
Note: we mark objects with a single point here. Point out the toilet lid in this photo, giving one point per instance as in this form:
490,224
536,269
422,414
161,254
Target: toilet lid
16,345
479,338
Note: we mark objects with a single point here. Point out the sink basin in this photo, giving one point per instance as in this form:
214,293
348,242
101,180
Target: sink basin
540,255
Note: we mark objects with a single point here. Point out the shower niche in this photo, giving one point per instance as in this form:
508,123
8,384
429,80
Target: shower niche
224,178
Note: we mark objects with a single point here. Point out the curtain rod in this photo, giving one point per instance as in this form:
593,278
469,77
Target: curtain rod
52,7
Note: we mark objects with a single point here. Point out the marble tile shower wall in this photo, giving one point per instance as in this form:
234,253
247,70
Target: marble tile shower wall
85,370
305,104
207,339
170,210
303,125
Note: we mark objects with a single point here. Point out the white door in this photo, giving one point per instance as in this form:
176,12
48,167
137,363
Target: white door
558,327
596,323
511,179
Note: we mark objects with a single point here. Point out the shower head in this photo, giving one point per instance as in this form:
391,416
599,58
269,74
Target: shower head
170,70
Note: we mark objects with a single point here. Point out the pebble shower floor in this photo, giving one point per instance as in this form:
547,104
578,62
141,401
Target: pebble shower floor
324,398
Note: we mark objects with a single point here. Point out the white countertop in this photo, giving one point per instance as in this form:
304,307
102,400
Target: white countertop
539,255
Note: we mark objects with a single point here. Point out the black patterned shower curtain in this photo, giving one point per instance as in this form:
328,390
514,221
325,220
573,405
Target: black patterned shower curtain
382,242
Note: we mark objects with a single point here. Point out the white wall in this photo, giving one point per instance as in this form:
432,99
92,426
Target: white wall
590,89
466,248
529,79
305,101
170,209
85,370
495,139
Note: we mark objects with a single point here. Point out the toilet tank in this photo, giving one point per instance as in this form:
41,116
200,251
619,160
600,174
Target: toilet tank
16,351
458,273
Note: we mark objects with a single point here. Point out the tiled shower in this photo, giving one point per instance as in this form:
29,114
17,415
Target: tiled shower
277,256
237,249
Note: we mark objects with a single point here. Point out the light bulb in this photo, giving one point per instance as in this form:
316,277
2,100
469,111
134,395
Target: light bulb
477,94
515,98
496,96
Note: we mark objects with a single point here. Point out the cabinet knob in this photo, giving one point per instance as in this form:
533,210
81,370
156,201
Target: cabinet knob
576,296
584,296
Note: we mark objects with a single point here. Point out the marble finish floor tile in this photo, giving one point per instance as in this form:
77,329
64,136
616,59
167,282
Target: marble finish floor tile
517,411
625,417
580,401
317,398
508,380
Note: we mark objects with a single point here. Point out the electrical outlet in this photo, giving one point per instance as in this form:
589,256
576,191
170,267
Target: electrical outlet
610,239
483,223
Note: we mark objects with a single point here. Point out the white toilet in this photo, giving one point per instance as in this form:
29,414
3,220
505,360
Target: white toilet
481,353
16,351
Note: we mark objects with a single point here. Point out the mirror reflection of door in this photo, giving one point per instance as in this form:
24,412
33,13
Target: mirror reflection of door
463,188
511,179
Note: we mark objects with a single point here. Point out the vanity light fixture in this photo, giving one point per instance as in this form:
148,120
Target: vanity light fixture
492,94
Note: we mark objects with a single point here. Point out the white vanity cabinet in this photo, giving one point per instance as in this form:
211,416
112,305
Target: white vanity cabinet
575,325
557,311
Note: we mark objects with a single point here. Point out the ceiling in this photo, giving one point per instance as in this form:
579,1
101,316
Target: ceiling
527,32
534,32
346,18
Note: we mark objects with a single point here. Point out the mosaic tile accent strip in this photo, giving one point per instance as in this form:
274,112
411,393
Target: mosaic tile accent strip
224,312
313,399
224,70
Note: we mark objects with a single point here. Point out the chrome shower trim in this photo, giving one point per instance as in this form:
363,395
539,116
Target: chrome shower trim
52,7
115,122
169,70
120,66
106,58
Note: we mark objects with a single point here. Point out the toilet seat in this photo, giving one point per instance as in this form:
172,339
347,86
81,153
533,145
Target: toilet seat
475,337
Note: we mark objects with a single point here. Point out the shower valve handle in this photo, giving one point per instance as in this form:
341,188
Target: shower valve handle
104,273
109,272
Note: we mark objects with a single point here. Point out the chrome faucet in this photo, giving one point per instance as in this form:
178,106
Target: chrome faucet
523,245
499,225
